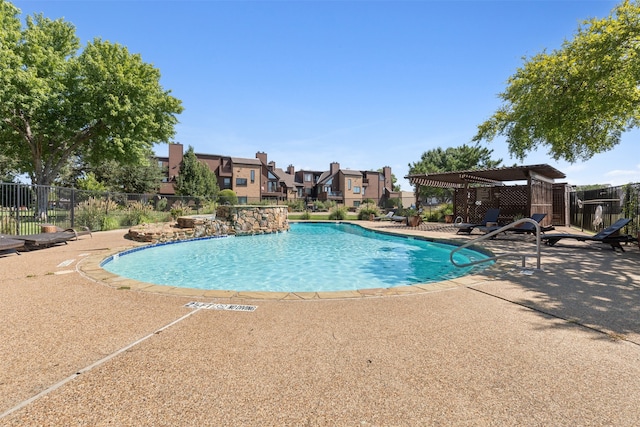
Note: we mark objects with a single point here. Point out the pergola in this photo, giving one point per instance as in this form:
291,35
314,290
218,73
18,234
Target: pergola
486,188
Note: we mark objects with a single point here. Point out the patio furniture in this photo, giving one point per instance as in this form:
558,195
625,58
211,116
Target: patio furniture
82,231
526,228
50,239
8,244
491,216
609,235
386,217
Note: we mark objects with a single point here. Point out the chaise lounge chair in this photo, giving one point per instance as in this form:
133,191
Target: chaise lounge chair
386,217
525,228
491,216
609,235
50,239
8,244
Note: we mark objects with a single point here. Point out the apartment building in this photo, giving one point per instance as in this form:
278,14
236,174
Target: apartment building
257,179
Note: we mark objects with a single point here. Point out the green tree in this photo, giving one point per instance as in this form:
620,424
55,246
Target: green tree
7,169
144,178
576,100
90,183
196,179
465,157
56,103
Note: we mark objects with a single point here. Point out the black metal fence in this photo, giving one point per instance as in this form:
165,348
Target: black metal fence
24,208
594,210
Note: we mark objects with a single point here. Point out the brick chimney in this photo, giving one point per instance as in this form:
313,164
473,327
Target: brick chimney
291,170
175,160
334,168
262,156
386,171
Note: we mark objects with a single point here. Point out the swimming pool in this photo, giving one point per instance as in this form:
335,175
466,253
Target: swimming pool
311,257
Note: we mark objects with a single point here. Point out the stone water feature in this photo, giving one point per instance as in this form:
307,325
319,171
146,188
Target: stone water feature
228,220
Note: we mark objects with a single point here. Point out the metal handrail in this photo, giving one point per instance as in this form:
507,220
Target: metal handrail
492,234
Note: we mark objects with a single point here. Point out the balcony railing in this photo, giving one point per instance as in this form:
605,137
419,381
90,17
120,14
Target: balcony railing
330,195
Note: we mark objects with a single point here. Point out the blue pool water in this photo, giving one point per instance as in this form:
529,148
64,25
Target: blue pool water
311,257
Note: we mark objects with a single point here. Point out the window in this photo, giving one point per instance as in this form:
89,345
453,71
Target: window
356,203
272,187
348,184
356,190
226,183
253,176
241,182
242,200
308,177
381,177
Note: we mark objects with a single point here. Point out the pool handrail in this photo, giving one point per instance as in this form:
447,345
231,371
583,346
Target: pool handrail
496,257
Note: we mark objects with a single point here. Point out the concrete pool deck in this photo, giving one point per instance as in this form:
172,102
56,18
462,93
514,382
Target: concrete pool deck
560,346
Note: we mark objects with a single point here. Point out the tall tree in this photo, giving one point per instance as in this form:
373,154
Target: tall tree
577,100
144,178
465,157
196,179
55,103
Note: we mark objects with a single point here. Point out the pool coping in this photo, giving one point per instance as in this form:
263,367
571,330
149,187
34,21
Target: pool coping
91,268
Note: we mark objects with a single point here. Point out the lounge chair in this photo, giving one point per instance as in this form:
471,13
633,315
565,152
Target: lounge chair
525,228
50,239
491,216
82,231
8,244
398,218
609,235
386,217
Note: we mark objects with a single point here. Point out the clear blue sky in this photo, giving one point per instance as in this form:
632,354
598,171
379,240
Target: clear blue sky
364,83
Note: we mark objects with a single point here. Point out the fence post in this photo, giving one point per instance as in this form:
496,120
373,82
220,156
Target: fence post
73,208
18,188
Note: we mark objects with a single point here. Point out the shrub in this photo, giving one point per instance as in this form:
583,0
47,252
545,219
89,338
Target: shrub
227,197
109,223
91,212
7,225
296,205
138,213
338,213
209,207
319,206
306,215
162,204
367,210
179,208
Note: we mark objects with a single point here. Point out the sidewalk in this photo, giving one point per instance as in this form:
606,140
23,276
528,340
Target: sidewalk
558,347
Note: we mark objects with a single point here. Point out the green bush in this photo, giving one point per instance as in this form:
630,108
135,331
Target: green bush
338,213
227,197
306,215
179,209
138,213
162,204
319,206
7,225
367,210
296,205
92,212
109,223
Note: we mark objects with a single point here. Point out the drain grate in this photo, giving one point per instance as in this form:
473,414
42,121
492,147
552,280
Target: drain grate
227,307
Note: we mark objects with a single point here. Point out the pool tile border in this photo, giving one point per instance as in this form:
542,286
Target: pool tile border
91,267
